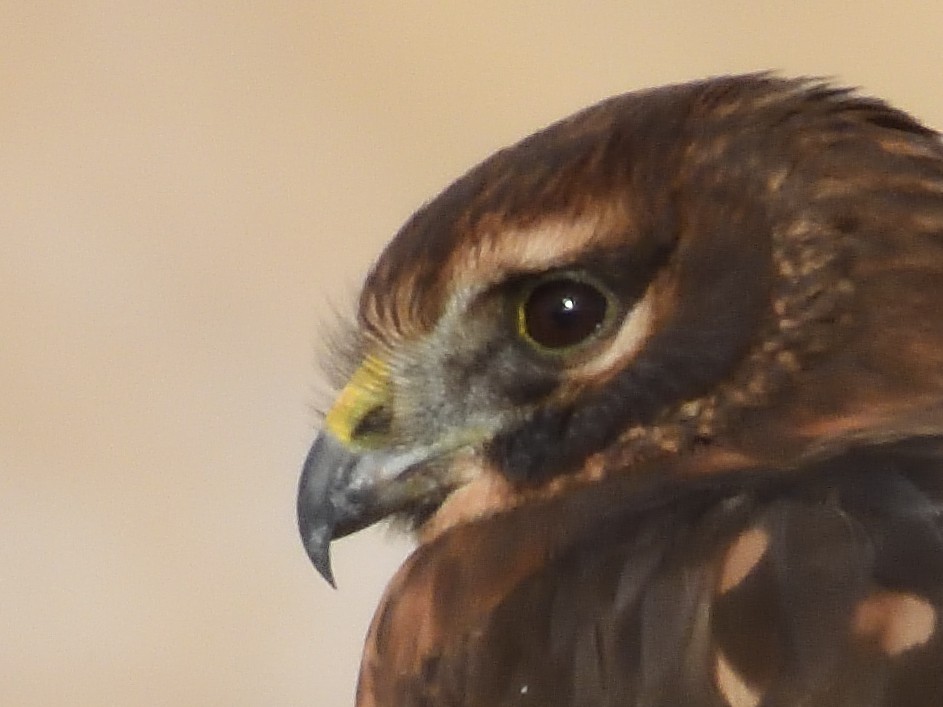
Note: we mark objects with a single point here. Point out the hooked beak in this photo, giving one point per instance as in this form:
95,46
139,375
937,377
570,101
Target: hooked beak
343,490
350,478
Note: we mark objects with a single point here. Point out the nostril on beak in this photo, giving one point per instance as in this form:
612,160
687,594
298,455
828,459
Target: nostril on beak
375,423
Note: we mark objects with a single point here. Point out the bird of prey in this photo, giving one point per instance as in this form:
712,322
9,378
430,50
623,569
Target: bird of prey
659,389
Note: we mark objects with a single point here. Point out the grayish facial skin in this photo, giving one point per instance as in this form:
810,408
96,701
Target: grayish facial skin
445,394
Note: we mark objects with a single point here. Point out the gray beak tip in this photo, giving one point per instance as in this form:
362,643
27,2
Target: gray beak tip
316,534
341,491
322,563
316,512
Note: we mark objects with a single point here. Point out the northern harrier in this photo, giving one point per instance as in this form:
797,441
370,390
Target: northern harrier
660,390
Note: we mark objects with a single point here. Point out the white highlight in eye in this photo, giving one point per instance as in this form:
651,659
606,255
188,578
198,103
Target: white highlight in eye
629,339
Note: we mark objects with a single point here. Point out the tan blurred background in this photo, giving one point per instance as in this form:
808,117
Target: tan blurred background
186,189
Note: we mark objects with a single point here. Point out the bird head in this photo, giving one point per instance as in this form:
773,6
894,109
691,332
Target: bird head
689,273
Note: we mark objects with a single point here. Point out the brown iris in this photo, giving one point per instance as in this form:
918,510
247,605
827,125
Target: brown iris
561,313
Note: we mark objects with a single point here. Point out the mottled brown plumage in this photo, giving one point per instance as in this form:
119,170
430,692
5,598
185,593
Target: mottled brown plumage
661,390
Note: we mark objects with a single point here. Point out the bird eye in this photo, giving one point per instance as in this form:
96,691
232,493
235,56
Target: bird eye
560,313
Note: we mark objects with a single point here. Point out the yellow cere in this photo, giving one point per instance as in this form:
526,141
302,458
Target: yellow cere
367,389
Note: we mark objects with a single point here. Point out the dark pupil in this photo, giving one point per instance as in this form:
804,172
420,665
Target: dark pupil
562,313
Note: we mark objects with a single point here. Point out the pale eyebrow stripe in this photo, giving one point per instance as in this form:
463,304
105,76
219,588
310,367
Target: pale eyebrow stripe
552,242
